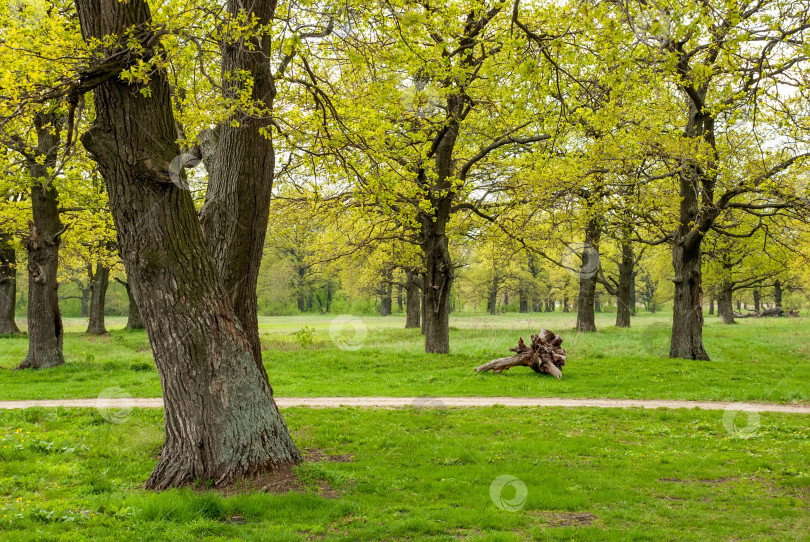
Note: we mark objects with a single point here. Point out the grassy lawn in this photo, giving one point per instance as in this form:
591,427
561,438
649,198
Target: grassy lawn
755,360
415,474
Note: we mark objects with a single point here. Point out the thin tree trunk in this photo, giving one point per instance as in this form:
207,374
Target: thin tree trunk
624,297
45,331
412,301
711,306
221,420
757,300
423,304
387,289
777,294
492,300
134,320
586,305
100,282
87,294
566,308
523,298
633,298
8,286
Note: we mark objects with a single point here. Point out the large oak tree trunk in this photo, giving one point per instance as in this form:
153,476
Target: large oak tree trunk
221,420
413,305
45,331
624,293
8,286
687,311
438,281
242,167
725,307
98,299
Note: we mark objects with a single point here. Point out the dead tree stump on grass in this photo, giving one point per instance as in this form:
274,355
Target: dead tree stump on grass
544,355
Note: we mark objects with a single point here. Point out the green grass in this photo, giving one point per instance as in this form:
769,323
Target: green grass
425,475
755,360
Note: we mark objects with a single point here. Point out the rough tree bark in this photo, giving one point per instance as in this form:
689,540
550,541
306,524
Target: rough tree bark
221,420
98,285
438,281
45,331
413,305
725,307
241,170
8,286
544,355
624,290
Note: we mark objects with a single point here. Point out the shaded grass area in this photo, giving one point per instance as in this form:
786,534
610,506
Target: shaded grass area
755,360
414,474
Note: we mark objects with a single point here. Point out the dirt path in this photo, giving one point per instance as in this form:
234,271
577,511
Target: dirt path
432,402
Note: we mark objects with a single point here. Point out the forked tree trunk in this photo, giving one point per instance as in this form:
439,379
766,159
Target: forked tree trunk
99,284
412,302
45,331
221,420
134,320
624,290
242,168
8,286
438,281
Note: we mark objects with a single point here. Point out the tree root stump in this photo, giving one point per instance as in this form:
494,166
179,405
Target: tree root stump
544,355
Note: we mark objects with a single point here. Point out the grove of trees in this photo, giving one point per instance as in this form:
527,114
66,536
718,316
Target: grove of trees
205,161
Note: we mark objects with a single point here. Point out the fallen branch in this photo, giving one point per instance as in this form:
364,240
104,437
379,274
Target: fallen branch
543,356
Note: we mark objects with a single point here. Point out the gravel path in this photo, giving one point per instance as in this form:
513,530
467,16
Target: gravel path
432,402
